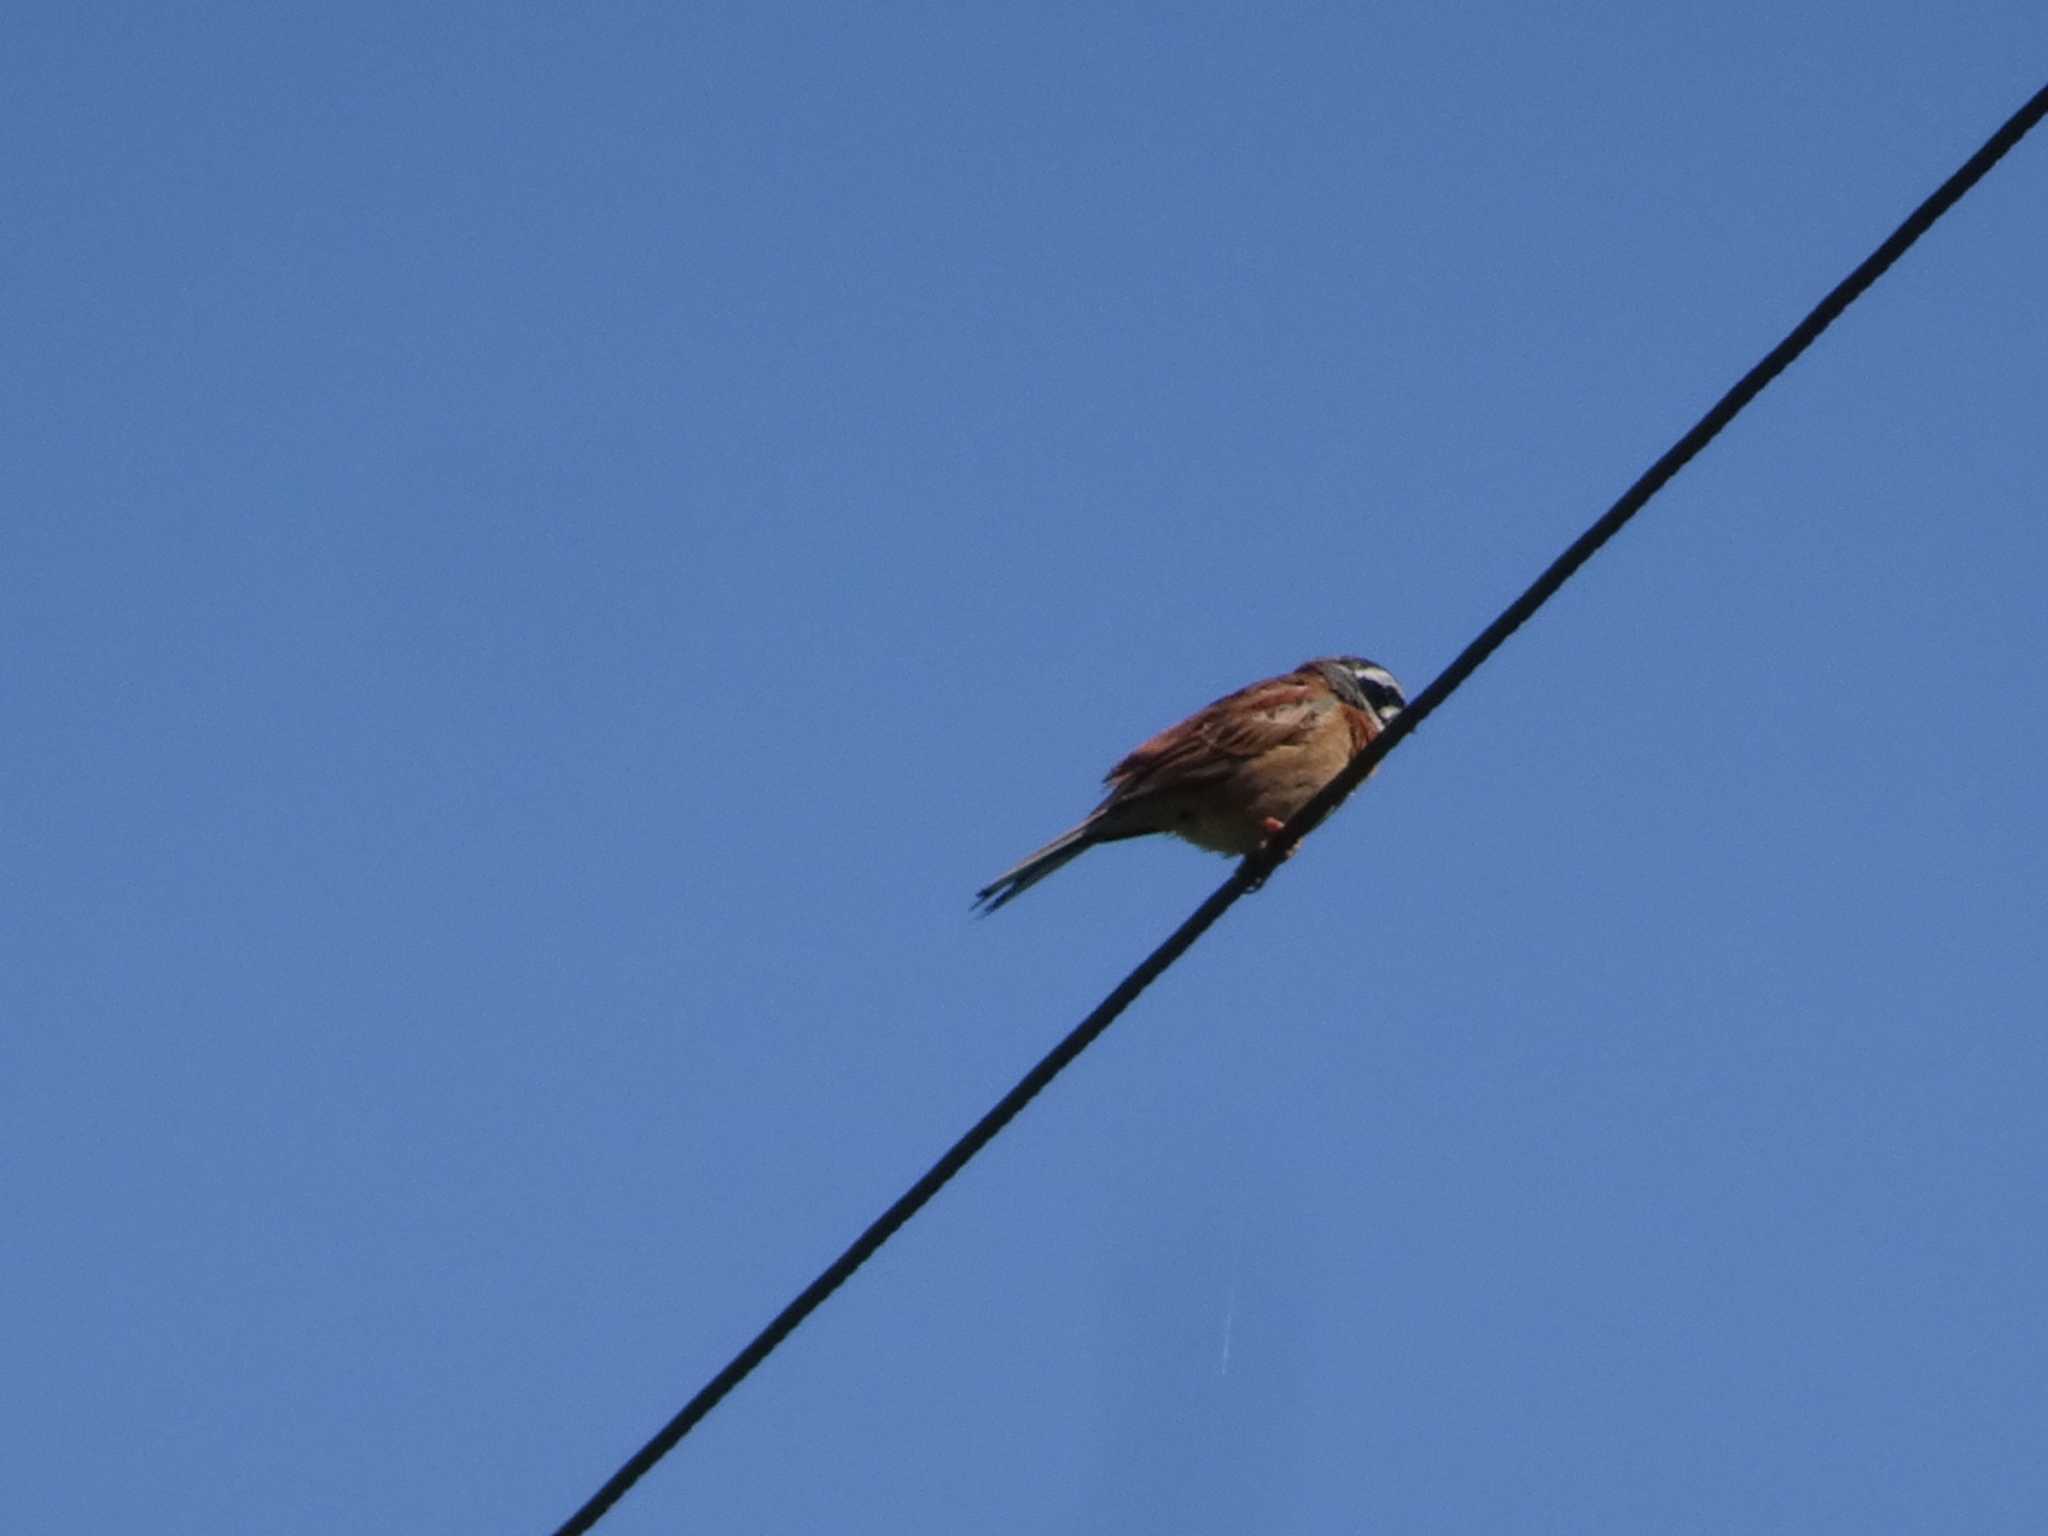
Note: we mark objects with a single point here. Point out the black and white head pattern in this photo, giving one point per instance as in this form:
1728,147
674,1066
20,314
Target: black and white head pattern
1366,685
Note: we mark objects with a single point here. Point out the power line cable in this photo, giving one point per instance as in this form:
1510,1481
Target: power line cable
1255,869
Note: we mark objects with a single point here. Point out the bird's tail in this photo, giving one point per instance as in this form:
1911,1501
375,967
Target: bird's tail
1012,883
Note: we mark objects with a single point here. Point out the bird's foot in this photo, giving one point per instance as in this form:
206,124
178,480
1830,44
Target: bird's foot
1272,826
1267,828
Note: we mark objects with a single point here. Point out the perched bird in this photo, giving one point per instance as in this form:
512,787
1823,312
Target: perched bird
1229,776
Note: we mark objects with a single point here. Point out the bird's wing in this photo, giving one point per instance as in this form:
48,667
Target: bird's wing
1211,743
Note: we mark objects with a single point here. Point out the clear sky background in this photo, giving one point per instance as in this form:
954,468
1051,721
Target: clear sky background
549,550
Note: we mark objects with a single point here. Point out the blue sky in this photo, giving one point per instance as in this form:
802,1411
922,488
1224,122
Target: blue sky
551,550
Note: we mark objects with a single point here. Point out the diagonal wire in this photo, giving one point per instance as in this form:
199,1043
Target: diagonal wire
1257,867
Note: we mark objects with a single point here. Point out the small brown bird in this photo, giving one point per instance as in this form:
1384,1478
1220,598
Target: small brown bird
1229,776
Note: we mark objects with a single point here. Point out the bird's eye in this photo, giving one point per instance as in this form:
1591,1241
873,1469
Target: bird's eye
1381,692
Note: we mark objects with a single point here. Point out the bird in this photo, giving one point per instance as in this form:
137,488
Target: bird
1230,775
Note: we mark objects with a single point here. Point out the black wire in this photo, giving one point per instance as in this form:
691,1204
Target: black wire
1254,870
